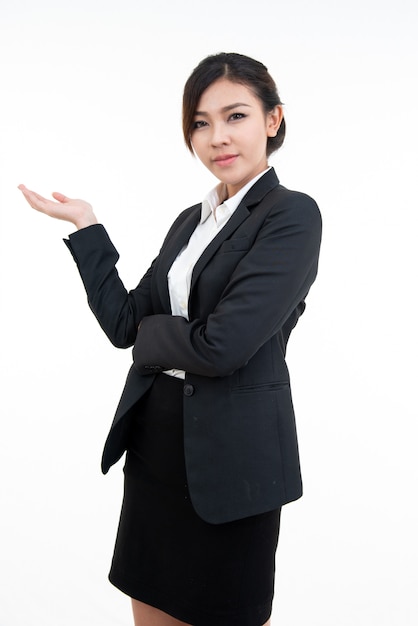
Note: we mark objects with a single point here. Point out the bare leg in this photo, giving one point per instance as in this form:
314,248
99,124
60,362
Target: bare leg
146,615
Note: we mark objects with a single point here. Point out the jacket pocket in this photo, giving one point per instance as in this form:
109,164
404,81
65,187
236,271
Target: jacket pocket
263,387
236,244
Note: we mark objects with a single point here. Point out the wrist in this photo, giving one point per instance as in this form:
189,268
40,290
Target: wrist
83,222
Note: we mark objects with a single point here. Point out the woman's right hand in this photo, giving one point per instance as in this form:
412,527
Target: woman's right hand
78,212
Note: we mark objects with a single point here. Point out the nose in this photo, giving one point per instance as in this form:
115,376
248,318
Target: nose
220,135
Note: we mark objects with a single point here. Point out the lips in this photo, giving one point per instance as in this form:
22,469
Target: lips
224,160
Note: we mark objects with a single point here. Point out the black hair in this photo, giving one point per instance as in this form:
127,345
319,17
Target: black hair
237,68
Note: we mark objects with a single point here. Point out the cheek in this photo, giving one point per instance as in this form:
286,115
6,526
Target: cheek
255,136
260,141
198,147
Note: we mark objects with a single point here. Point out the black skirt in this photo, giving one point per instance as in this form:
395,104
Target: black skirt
165,554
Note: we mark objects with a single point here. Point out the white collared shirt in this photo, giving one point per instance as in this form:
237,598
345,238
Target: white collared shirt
215,213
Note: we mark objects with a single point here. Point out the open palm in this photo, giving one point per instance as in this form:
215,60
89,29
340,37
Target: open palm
78,212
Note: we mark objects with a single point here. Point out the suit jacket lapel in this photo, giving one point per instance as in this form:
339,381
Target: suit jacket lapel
254,196
239,215
172,248
181,236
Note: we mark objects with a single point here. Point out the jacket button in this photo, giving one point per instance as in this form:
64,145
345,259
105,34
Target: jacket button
188,390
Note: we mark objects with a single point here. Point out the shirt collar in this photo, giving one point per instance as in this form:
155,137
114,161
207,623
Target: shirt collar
216,197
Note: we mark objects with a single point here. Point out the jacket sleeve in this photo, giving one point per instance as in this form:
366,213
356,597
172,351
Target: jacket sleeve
117,310
268,283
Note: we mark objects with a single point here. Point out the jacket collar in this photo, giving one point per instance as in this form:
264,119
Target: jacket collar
262,187
251,199
218,195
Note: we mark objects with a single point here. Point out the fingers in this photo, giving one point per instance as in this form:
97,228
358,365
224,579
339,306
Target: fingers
43,205
60,196
35,200
78,212
32,194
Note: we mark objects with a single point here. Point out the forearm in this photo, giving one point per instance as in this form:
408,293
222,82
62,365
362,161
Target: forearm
117,311
266,289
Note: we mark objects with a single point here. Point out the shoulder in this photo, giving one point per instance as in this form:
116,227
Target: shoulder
182,217
294,206
271,197
290,198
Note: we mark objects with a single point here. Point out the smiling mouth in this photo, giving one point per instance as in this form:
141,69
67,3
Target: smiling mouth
225,159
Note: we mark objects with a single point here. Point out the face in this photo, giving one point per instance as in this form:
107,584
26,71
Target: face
230,133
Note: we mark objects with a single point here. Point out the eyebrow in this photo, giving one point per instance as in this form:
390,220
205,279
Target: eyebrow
229,107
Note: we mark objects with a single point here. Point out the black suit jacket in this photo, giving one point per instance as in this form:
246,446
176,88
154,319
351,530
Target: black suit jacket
247,293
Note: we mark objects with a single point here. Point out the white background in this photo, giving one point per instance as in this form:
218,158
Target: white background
90,106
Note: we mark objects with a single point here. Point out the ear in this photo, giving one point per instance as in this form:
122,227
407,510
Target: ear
274,119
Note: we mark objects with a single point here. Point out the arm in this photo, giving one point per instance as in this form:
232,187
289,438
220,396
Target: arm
117,311
266,286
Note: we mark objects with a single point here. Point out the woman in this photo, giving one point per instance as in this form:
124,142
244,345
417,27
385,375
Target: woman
206,415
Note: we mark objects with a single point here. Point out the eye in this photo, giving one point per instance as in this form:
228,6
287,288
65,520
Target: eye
237,116
199,124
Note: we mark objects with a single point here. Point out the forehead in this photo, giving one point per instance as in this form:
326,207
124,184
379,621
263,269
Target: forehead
223,93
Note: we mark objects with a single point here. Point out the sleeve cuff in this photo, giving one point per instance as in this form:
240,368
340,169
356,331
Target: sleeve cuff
91,237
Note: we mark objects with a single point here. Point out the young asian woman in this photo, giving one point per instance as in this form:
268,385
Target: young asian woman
206,415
